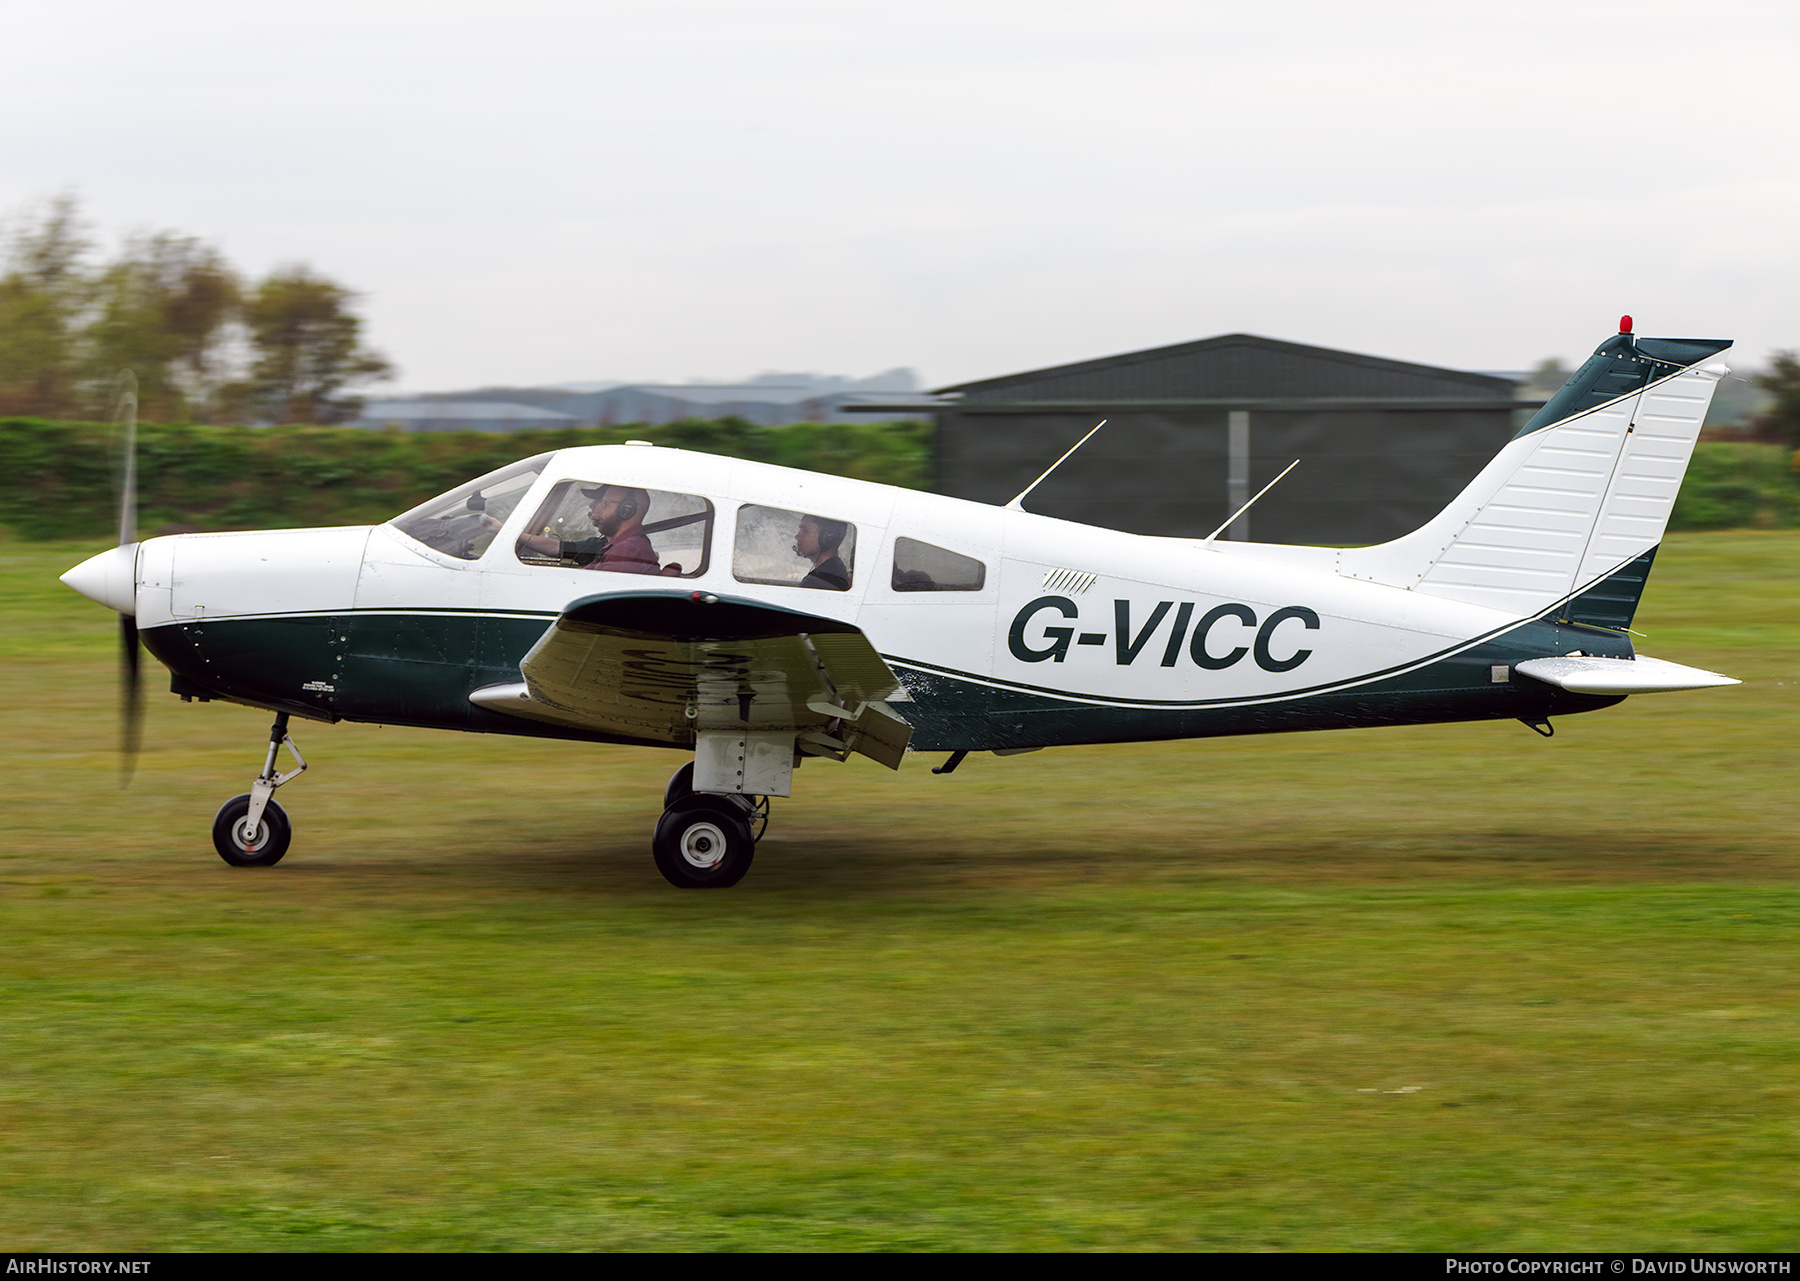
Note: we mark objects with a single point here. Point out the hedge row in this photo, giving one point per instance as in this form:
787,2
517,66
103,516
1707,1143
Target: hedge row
1739,485
59,480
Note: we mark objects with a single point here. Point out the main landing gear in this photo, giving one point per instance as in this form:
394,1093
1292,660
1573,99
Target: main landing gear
706,841
252,830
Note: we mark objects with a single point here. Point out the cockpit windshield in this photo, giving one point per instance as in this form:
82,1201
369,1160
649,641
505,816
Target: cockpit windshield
464,521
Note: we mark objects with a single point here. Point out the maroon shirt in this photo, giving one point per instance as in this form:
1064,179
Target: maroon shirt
631,554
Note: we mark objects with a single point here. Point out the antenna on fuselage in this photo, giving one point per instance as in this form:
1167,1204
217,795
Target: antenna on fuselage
1229,520
1016,504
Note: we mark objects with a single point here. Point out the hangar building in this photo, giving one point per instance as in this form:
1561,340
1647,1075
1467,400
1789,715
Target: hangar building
1194,430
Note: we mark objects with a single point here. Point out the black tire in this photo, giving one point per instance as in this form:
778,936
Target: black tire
272,834
756,808
703,843
681,785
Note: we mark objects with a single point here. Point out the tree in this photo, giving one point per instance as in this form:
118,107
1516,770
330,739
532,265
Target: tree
44,296
306,349
1547,377
171,309
1782,381
166,308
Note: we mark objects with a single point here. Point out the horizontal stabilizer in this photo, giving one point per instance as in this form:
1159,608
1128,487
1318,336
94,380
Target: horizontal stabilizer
1640,675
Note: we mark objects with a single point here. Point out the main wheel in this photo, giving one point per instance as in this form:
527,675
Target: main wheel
264,847
703,842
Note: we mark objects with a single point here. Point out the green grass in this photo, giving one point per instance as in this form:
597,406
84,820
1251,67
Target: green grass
1452,987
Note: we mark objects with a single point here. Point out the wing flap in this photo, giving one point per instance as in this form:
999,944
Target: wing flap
880,735
856,670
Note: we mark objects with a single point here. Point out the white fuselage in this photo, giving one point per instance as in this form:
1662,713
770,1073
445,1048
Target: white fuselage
1115,621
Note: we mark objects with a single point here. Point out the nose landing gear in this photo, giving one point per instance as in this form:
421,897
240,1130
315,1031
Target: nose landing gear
252,830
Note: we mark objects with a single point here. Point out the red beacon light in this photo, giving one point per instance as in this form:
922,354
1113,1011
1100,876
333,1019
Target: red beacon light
1624,324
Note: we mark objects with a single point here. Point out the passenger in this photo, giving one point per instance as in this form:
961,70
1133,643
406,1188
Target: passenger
621,546
818,540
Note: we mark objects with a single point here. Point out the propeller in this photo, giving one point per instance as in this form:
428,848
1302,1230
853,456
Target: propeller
131,692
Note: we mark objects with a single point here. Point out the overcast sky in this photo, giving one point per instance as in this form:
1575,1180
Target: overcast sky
536,192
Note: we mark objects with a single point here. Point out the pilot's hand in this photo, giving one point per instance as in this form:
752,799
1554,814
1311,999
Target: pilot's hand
492,525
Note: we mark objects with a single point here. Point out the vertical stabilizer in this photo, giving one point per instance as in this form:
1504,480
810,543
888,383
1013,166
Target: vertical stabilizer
1579,496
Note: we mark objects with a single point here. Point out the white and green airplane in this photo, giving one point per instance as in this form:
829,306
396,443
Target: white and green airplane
759,616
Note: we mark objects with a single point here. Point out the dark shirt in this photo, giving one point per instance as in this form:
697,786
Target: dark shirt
631,554
831,575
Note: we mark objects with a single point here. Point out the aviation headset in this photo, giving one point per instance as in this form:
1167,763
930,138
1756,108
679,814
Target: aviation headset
831,532
628,505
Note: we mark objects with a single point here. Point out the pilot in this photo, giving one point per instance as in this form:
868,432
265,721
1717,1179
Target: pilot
818,540
622,546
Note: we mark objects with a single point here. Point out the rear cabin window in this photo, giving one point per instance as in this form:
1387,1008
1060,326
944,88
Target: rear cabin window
920,567
793,549
464,521
621,529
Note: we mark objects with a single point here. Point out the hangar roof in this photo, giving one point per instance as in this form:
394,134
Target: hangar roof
1235,367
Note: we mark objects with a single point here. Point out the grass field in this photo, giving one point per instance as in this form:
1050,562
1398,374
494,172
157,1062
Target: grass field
1445,988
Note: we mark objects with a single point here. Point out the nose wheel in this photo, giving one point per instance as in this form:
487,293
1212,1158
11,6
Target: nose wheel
252,830
241,845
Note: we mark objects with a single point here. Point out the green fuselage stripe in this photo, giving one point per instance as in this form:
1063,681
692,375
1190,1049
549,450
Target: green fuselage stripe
418,667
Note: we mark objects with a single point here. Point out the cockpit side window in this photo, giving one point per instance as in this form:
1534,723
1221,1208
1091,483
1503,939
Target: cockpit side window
793,549
920,567
623,529
464,521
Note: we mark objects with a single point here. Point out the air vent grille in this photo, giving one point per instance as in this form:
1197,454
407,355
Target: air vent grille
1070,582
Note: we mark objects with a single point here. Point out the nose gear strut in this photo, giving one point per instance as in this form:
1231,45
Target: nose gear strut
252,830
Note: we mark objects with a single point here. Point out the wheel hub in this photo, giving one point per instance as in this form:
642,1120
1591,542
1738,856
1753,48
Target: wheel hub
703,846
246,841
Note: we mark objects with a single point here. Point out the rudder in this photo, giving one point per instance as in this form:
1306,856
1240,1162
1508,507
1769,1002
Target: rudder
1566,511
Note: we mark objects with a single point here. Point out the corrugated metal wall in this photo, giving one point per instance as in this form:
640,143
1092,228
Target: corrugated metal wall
1367,473
1364,476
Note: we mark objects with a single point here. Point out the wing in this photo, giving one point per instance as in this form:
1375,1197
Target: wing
691,668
